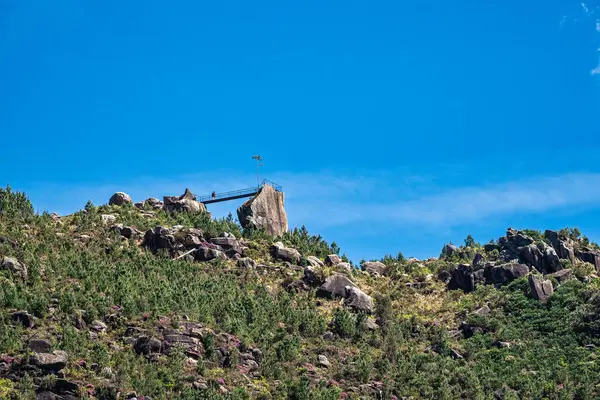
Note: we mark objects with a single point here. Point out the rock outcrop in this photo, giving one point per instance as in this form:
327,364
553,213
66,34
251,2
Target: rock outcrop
265,211
540,289
119,199
184,203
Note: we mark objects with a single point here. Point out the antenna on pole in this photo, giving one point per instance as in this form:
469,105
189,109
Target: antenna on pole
258,165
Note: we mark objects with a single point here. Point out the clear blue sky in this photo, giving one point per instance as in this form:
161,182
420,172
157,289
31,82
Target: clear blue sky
391,125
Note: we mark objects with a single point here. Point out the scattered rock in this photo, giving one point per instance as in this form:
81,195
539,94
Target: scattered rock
449,249
455,354
246,263
119,199
154,203
98,326
265,211
23,318
358,300
540,289
344,267
374,268
485,310
332,259
590,256
314,261
229,244
337,285
462,277
14,266
563,275
328,336
40,346
563,247
108,219
54,361
502,274
147,345
322,361
370,324
184,203
204,254
280,252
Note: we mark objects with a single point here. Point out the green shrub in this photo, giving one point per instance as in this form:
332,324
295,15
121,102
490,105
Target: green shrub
15,204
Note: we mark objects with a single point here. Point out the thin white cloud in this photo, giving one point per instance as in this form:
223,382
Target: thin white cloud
326,200
460,206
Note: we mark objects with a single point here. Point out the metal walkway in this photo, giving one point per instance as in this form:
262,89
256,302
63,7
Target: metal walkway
237,194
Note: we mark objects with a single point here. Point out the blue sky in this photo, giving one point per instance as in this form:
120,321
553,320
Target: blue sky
390,125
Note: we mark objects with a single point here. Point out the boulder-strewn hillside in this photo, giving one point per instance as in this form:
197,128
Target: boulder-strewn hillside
157,300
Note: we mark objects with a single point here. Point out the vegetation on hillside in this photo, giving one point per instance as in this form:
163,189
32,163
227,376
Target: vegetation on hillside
422,341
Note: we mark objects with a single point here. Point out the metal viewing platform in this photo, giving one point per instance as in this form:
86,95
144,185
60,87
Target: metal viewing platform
237,194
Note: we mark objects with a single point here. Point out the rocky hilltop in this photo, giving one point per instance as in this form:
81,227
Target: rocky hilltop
157,300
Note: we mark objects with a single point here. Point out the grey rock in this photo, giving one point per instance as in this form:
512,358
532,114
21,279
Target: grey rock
14,266
310,277
246,263
280,252
336,285
24,318
358,300
344,267
328,336
154,203
54,361
374,268
590,256
563,275
119,199
184,203
322,361
98,326
563,247
265,211
314,261
506,273
108,219
540,289
332,259
209,254
485,310
449,249
40,346
147,345
228,243
462,277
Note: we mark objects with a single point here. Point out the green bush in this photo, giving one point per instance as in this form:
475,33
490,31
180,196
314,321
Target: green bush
15,204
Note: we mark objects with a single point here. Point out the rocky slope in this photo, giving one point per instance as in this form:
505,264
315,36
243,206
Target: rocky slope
157,300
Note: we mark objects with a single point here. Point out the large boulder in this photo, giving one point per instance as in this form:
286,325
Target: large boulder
161,238
336,285
265,211
332,259
14,266
119,199
358,300
514,240
314,261
205,253
462,277
563,275
229,244
542,257
280,252
563,246
374,268
449,249
540,289
505,273
184,203
590,256
54,361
